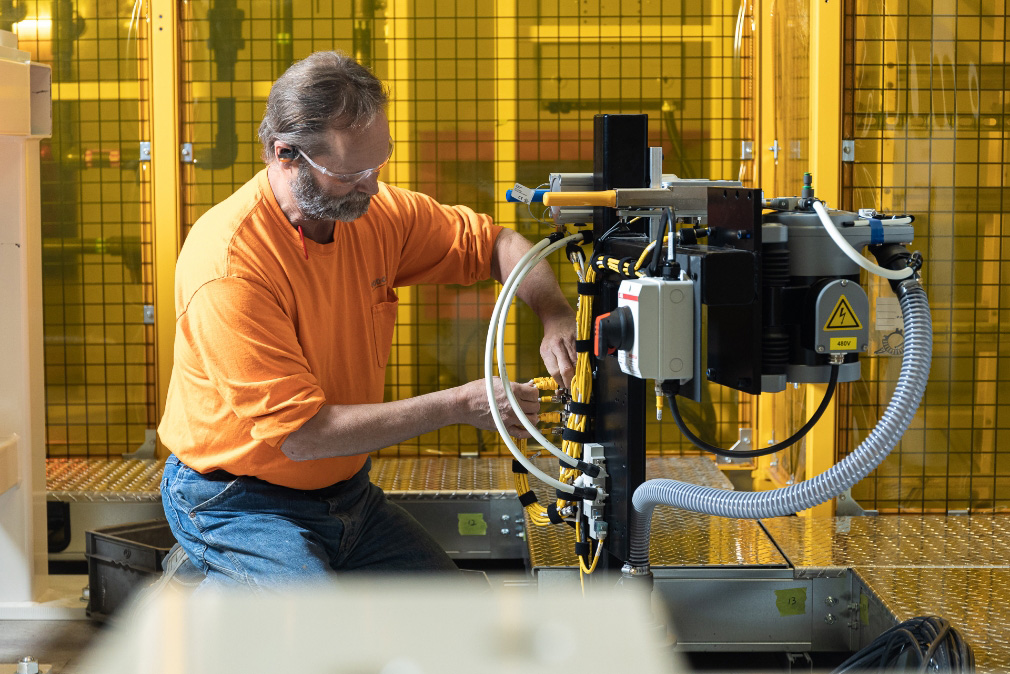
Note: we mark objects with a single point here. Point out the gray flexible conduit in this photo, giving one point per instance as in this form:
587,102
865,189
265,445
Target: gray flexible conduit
785,501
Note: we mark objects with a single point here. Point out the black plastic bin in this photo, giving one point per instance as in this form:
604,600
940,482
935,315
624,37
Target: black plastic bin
121,560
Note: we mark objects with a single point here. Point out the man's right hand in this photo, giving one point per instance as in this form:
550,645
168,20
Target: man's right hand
474,403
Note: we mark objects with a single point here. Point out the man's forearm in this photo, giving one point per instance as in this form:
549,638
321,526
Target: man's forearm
345,430
540,289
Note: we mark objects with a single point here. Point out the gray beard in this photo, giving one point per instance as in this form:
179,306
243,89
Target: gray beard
316,205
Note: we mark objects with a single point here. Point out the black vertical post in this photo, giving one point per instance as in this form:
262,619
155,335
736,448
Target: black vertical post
620,159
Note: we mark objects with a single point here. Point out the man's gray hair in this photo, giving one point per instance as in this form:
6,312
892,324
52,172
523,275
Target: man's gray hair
326,91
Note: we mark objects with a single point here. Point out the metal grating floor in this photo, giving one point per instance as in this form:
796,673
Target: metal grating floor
103,480
445,477
921,541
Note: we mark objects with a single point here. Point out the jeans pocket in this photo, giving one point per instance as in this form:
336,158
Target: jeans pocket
196,492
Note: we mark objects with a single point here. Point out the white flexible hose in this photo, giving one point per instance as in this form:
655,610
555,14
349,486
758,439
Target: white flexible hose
854,255
506,298
489,377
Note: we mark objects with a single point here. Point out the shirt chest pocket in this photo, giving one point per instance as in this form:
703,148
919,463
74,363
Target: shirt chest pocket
383,322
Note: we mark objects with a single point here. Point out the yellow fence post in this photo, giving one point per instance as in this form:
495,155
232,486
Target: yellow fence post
401,172
506,132
163,81
825,160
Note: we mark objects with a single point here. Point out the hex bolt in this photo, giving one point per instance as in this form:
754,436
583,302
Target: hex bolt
28,665
829,619
830,601
505,518
505,532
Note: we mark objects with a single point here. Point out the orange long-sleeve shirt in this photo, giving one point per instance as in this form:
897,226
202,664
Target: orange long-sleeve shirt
265,337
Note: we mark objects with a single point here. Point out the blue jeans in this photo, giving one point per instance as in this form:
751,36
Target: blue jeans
247,532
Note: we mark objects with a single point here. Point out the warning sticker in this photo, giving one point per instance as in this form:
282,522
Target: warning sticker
843,317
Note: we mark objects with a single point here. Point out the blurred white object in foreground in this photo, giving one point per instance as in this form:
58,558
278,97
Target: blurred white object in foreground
387,626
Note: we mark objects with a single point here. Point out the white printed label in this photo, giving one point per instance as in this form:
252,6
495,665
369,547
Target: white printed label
888,316
522,193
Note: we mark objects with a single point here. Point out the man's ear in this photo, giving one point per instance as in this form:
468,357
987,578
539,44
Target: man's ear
286,154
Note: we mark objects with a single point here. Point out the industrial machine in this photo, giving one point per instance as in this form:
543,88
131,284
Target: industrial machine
774,281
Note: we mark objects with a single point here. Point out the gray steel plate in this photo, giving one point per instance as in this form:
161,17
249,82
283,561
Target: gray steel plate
444,477
975,601
894,541
103,480
679,538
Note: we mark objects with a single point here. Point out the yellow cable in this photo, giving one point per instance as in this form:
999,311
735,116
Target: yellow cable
545,383
648,249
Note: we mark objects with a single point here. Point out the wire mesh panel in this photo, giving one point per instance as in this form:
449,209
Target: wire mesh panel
483,95
95,224
925,104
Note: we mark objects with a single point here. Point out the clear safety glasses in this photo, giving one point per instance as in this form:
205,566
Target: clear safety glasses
350,179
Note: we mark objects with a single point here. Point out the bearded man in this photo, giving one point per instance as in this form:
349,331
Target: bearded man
285,309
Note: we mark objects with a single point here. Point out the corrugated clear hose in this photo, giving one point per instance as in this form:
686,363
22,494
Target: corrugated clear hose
871,452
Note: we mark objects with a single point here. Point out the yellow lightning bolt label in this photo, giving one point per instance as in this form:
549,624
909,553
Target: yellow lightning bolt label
843,317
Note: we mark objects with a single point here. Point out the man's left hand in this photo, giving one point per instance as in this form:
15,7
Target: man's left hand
558,347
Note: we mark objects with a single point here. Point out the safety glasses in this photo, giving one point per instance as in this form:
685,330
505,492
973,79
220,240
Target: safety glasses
349,179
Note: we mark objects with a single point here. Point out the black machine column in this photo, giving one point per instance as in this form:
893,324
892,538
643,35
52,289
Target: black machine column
620,159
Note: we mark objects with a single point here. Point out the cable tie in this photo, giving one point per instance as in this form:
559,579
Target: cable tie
552,514
584,409
876,231
573,250
573,435
582,549
586,288
527,499
583,345
518,467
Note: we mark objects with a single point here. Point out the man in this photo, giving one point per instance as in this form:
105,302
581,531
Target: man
285,311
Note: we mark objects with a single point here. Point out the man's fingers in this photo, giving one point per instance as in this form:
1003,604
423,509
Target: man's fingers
525,391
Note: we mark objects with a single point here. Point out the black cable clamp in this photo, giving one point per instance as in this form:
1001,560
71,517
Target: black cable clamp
518,467
527,499
554,237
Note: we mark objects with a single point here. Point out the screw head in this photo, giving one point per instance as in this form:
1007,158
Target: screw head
820,349
830,619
